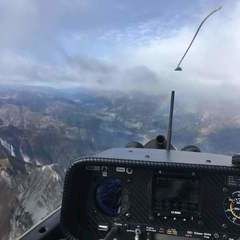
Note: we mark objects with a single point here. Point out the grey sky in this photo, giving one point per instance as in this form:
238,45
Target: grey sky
117,44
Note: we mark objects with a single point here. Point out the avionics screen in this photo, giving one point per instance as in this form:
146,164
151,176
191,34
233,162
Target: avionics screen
176,194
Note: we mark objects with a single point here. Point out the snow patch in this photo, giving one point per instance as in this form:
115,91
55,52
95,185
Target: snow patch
9,147
25,157
4,175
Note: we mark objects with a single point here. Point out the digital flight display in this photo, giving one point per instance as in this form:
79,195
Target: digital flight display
175,194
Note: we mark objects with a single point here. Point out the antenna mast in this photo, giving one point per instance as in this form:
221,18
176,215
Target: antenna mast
178,68
169,133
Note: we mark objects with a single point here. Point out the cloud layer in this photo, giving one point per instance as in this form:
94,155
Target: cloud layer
116,45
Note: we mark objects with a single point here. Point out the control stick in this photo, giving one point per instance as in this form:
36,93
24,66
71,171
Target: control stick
137,234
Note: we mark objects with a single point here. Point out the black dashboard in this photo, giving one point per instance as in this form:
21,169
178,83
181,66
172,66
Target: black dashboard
148,193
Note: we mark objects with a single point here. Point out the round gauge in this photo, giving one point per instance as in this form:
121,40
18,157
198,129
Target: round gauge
232,207
108,196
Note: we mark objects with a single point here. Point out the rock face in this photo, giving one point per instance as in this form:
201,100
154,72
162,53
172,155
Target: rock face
42,130
40,194
28,193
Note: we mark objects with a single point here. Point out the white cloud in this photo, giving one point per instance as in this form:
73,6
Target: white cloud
143,54
213,60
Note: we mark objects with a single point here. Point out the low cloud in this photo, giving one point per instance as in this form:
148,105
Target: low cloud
142,55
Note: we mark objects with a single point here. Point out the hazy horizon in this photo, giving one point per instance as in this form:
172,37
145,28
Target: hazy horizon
124,46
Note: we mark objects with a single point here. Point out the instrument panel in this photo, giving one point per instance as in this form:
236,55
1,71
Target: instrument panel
146,202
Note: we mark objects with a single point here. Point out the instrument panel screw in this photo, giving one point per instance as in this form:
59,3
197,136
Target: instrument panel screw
151,218
224,236
128,215
129,180
216,235
225,190
224,225
200,222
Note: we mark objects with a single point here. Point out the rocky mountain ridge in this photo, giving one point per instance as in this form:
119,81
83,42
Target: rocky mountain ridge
43,130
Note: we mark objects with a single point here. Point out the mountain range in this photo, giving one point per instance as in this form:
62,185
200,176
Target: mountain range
43,130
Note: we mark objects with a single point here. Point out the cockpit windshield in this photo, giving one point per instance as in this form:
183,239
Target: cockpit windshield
78,77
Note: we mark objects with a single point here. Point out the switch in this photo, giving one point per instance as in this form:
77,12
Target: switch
103,227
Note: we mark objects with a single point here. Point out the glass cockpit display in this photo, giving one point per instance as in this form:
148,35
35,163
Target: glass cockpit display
172,194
